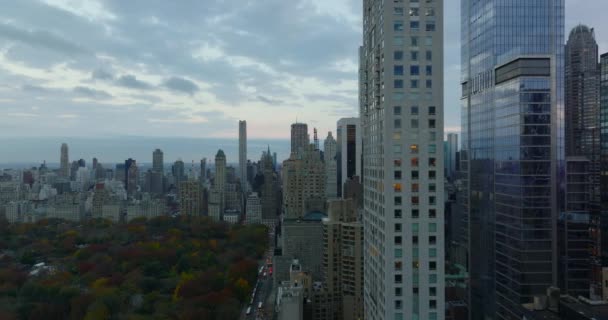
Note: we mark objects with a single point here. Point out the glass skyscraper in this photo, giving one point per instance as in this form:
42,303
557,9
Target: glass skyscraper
512,149
604,160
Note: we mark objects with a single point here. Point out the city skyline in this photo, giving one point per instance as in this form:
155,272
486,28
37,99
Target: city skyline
84,82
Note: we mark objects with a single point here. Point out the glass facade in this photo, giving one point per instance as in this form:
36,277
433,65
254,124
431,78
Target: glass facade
512,149
604,160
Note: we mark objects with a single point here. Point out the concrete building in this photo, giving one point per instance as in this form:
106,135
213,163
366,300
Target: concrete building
232,216
111,212
450,155
349,150
401,120
203,173
331,166
64,162
512,155
243,155
190,197
343,259
178,171
290,302
303,180
299,137
254,209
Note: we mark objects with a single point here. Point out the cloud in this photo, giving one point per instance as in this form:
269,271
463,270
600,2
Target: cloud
100,74
41,39
92,93
130,81
181,85
270,101
34,88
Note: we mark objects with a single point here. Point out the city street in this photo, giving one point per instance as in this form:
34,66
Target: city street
263,292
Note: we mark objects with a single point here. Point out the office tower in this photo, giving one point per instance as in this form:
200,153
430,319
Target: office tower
158,163
331,170
348,150
95,163
243,154
269,189
274,160
190,198
600,290
303,183
582,94
299,137
131,176
450,154
82,163
179,172
401,120
203,170
512,152
343,258
74,169
582,127
64,169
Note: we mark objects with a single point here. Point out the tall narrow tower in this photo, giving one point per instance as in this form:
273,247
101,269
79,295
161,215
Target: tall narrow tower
331,166
512,80
64,169
243,154
158,161
401,114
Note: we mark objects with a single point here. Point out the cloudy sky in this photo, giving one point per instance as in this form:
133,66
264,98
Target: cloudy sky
192,68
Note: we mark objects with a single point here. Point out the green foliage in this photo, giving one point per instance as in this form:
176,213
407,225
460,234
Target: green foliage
163,268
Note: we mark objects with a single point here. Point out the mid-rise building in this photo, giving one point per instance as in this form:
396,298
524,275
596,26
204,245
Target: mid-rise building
343,259
401,120
190,197
131,176
303,181
254,209
512,155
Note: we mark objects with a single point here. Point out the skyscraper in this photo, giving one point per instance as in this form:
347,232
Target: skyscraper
269,189
131,176
217,199
158,163
604,170
401,114
348,150
303,183
64,169
331,170
243,154
299,137
583,167
512,149
203,172
452,148
190,197
178,171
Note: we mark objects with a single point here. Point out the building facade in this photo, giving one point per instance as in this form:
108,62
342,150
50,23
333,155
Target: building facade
348,151
243,154
190,198
299,137
64,162
401,115
512,149
450,155
331,166
603,173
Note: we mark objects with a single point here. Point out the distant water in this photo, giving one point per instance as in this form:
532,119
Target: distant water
18,152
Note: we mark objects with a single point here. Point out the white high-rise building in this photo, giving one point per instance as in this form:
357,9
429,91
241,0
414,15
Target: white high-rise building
331,167
243,154
401,113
